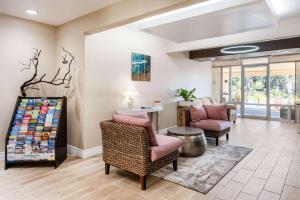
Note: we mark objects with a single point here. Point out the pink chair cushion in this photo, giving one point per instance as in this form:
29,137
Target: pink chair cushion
142,115
135,121
166,145
211,124
216,112
197,113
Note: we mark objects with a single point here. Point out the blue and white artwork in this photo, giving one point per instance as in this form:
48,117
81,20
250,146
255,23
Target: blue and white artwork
140,67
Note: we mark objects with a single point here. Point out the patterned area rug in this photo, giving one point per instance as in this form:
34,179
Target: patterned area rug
204,172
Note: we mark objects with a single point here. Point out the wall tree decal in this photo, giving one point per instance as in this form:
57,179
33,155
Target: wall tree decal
34,81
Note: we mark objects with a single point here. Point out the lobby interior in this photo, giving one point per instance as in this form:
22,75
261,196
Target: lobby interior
242,56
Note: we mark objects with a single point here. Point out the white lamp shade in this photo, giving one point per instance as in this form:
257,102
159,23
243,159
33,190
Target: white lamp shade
131,91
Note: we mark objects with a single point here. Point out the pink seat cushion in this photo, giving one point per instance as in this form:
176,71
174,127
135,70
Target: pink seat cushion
166,145
211,124
216,112
197,113
142,115
135,121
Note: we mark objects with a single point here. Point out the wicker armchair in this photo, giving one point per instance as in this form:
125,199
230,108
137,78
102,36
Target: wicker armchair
127,147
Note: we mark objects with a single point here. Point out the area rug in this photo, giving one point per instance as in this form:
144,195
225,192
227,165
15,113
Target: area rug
204,172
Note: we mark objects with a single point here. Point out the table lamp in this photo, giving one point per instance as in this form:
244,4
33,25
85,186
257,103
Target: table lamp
130,93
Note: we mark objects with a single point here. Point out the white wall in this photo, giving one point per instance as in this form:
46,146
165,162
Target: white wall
18,38
71,36
108,73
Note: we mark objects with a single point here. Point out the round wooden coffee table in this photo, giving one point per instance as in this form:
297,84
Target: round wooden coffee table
194,142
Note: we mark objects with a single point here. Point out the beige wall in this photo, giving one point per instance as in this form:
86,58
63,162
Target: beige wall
71,36
108,74
18,38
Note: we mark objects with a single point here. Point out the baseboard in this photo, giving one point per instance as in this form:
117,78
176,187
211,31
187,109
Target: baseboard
81,153
84,153
2,155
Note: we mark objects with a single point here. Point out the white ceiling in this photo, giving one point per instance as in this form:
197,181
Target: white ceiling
224,22
217,18
53,12
285,9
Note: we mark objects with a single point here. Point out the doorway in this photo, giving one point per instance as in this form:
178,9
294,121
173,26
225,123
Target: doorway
255,90
263,91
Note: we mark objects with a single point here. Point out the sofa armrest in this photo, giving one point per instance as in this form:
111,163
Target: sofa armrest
231,112
125,141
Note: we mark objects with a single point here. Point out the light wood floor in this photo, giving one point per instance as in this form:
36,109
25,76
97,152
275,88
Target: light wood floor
270,172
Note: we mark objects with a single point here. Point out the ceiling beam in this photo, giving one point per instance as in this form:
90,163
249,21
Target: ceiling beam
271,45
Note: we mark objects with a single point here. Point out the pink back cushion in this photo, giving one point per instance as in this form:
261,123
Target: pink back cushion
197,113
135,121
218,112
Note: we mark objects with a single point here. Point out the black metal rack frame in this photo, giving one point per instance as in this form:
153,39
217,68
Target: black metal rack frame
60,140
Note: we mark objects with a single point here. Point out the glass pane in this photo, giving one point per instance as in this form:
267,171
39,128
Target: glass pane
238,109
226,84
235,84
297,82
255,88
216,79
282,83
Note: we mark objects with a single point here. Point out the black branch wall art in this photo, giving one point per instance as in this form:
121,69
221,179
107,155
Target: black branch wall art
57,80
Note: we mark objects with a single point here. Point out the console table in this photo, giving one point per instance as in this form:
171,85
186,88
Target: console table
150,111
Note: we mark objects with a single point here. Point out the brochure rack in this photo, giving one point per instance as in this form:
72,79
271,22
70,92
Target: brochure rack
37,132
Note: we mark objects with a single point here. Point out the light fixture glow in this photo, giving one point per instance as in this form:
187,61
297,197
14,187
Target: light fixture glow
188,8
180,14
279,7
240,49
31,12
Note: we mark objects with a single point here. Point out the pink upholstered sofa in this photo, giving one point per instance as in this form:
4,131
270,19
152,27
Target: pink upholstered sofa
213,119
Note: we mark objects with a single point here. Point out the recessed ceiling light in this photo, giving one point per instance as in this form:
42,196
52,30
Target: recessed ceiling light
240,49
31,12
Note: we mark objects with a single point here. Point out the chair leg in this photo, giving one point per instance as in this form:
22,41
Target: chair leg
143,182
175,165
107,168
227,136
217,141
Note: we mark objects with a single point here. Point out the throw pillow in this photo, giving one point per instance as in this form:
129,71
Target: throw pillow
145,123
218,112
198,113
206,101
214,101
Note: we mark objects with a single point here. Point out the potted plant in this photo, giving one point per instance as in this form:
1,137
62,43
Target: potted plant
187,95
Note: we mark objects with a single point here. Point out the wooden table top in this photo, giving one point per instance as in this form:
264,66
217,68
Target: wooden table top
185,131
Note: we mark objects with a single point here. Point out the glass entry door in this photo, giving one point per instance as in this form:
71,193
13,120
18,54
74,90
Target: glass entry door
255,91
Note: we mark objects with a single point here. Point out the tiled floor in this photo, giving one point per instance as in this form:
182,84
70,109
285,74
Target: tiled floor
270,172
